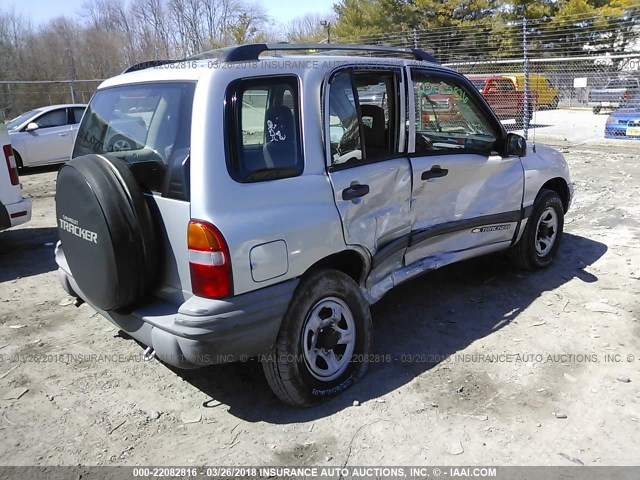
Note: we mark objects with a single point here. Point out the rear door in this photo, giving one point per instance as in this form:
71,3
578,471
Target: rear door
464,194
368,168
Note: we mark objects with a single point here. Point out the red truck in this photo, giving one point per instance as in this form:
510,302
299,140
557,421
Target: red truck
503,97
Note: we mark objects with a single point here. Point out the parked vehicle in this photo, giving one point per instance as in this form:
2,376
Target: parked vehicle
262,207
624,123
14,209
45,135
614,94
547,93
504,98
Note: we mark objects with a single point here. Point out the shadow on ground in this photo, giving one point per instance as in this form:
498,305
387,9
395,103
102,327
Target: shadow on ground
26,251
419,317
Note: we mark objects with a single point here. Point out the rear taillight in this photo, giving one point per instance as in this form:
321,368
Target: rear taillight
209,261
11,164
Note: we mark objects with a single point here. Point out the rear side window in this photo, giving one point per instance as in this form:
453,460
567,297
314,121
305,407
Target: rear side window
263,116
76,114
146,125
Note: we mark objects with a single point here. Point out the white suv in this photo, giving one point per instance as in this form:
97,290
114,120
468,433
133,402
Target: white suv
14,209
242,205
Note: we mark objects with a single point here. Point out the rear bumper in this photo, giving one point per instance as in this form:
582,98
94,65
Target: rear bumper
15,214
200,331
604,103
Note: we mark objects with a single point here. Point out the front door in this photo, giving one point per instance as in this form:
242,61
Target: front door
52,141
465,195
368,168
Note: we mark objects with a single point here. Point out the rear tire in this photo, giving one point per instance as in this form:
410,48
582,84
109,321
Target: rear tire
18,158
324,341
554,103
596,110
541,237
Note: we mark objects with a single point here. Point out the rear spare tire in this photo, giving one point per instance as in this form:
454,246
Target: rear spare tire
107,231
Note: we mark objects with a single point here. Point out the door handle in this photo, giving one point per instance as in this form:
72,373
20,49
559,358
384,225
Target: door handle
62,134
355,191
435,172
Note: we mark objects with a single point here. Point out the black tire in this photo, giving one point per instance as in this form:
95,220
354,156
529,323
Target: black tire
596,110
287,366
18,158
554,103
120,143
528,253
107,232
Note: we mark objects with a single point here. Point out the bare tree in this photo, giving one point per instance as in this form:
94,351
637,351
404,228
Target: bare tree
308,28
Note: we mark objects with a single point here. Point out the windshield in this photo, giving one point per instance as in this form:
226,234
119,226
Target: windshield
146,125
16,122
622,84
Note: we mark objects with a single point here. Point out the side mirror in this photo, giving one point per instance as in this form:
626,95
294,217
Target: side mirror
515,145
31,127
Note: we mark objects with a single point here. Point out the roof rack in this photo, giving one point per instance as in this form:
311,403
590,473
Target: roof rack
251,52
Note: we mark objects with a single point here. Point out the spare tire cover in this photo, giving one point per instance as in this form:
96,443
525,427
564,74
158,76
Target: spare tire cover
107,231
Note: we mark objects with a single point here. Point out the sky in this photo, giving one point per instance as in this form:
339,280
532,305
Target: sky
282,11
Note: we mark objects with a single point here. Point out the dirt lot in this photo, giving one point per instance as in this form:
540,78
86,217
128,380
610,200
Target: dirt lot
488,365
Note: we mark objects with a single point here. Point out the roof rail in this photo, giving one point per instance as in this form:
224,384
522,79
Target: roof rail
251,51
149,64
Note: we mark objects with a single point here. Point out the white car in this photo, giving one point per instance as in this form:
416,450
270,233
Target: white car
14,209
45,135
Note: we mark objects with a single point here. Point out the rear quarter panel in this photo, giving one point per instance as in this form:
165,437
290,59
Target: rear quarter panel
299,211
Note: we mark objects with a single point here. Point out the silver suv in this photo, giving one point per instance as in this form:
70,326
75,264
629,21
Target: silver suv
247,204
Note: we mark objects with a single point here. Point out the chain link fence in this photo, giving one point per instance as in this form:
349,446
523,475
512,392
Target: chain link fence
555,79
17,97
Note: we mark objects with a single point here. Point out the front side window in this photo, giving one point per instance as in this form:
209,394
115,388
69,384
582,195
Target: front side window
448,119
56,118
146,125
264,116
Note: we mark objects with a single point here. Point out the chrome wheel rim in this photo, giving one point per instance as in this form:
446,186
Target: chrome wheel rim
546,232
328,339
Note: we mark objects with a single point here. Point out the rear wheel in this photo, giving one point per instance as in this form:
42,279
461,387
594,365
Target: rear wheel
323,342
541,237
18,158
596,110
554,103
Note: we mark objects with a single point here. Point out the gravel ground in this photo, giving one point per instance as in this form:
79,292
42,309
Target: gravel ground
479,363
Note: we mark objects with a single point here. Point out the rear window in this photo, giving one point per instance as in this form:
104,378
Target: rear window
622,84
146,125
